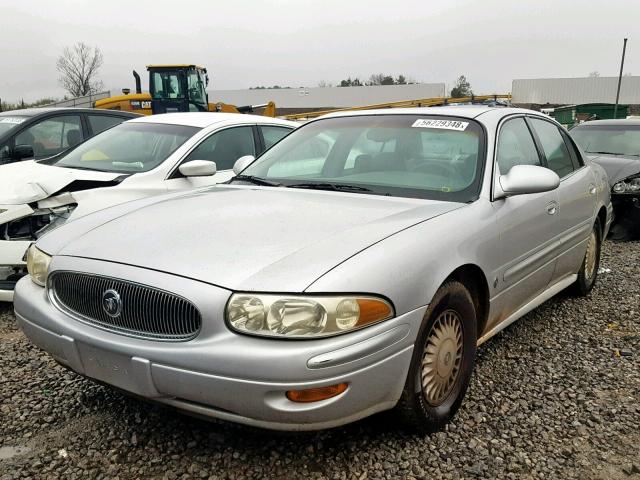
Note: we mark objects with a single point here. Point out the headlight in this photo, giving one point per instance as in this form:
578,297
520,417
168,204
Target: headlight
304,316
38,265
629,185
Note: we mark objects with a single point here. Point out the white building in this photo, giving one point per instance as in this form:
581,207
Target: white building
569,91
328,97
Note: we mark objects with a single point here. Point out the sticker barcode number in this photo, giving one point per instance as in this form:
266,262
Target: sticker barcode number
443,124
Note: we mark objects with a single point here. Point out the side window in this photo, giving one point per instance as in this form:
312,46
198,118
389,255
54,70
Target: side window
225,147
273,134
100,123
558,157
573,150
51,136
516,146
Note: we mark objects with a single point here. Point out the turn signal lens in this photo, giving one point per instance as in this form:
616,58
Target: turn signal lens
316,394
372,310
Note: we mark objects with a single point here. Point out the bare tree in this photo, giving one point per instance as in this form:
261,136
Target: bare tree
78,68
594,74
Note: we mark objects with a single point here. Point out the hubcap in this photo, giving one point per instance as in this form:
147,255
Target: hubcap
442,357
590,257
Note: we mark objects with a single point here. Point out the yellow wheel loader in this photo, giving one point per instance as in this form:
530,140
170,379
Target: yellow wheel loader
175,88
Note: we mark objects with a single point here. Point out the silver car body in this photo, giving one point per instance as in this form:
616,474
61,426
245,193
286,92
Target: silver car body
28,188
520,250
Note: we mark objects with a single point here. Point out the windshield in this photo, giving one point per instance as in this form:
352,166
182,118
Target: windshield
167,84
422,156
612,139
10,122
128,148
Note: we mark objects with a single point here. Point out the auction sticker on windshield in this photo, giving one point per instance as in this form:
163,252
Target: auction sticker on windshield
11,120
443,124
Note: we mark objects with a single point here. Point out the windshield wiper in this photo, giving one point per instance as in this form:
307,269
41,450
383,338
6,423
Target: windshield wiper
256,180
340,187
80,168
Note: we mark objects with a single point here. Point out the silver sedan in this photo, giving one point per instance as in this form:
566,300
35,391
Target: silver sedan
352,268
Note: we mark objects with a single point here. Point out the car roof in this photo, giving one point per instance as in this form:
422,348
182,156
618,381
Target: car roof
206,119
468,111
618,121
32,112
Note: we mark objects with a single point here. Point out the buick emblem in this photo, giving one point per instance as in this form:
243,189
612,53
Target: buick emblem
111,303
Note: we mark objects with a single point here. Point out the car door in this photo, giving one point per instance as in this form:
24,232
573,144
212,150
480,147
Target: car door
223,147
576,194
51,135
528,225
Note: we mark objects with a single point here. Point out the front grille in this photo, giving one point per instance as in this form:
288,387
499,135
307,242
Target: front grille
142,311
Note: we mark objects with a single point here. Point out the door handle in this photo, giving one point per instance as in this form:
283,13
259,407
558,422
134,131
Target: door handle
592,189
552,208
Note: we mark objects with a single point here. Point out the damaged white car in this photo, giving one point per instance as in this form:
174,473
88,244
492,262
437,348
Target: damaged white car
139,158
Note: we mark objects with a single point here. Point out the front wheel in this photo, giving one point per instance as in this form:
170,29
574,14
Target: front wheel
588,272
443,359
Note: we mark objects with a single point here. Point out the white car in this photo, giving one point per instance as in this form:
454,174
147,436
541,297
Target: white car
139,158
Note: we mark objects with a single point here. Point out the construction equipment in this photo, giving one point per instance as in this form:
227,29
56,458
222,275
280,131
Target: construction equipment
175,88
423,102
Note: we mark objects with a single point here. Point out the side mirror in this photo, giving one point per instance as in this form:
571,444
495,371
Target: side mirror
242,163
524,179
198,168
22,151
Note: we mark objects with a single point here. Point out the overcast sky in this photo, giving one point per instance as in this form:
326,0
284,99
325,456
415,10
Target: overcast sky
302,42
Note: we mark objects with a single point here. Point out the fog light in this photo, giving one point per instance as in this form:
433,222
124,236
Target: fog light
316,394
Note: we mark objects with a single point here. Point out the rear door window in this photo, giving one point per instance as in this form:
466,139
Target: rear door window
52,135
273,134
225,147
100,123
555,150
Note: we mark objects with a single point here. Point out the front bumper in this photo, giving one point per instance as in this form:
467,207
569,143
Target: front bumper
229,376
11,255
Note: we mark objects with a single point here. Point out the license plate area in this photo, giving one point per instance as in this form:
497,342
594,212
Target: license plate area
108,367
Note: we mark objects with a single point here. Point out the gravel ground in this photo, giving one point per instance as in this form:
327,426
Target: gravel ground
555,396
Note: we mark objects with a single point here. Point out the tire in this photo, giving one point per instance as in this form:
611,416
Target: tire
588,273
428,408
620,233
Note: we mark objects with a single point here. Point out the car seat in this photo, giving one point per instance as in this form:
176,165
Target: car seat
73,138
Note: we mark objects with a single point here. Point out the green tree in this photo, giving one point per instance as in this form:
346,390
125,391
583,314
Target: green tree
462,88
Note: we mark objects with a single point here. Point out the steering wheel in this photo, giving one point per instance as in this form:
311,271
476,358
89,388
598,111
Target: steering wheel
438,169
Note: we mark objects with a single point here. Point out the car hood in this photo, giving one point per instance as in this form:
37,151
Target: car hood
617,167
242,238
26,182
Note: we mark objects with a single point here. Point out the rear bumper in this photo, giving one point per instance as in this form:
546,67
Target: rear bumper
374,362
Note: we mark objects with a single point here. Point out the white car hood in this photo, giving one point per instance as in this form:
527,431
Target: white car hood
26,182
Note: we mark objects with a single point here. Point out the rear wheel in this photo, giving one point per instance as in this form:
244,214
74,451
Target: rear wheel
443,359
588,272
